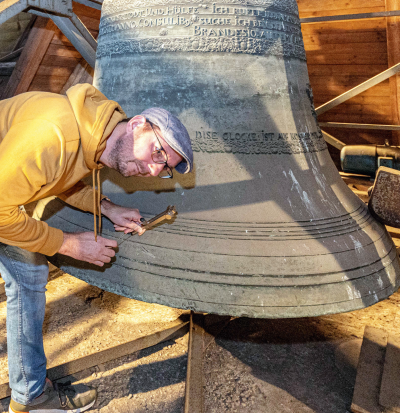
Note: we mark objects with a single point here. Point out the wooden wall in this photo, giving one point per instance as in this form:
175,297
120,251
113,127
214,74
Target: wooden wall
340,55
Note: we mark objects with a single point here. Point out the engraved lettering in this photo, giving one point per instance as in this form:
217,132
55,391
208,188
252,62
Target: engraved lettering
158,26
258,142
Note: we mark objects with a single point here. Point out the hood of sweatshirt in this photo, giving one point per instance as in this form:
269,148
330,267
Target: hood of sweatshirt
97,117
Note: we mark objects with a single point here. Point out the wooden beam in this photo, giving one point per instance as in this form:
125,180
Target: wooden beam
393,47
358,126
194,375
35,48
357,16
369,372
389,395
333,141
9,8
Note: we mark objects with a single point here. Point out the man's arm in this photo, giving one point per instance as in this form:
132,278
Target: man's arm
25,168
30,155
80,196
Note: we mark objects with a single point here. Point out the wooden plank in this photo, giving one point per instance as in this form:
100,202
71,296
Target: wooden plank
90,22
352,26
381,89
389,394
359,89
60,71
369,372
360,70
345,80
48,83
354,118
346,58
60,39
60,61
343,48
194,376
322,12
35,48
360,5
65,51
393,46
82,10
173,330
378,36
357,100
384,110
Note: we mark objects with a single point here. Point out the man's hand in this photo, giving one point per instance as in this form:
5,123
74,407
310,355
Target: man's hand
124,219
82,246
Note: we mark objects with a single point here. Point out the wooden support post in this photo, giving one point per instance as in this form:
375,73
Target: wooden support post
194,376
393,46
389,396
28,63
369,372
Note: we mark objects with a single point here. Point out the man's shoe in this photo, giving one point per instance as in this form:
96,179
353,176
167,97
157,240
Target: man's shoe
59,398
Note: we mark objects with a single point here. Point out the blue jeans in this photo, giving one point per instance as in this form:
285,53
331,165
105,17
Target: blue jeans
25,274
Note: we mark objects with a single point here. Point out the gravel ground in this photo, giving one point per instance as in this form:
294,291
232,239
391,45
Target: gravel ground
268,366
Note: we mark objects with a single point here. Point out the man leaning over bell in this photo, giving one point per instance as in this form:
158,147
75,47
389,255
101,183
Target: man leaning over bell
48,143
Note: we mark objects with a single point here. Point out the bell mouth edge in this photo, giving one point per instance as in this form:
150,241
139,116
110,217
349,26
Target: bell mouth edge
355,302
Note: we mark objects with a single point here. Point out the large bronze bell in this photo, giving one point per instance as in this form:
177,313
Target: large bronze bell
265,225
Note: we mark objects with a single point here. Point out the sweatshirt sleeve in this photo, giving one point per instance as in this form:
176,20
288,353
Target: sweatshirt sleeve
80,196
31,155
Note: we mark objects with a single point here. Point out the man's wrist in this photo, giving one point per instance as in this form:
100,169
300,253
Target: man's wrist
105,205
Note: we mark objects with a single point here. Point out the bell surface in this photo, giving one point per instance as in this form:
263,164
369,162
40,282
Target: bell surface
265,227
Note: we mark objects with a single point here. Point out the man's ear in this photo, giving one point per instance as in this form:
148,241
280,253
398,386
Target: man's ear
138,120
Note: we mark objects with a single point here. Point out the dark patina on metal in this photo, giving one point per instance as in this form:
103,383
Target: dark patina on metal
266,226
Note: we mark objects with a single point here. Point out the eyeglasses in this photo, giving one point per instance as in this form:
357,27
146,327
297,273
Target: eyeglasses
159,156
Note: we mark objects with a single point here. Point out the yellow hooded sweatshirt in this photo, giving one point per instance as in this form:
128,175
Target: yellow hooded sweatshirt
48,143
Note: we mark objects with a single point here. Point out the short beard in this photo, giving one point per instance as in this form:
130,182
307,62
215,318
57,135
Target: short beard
122,149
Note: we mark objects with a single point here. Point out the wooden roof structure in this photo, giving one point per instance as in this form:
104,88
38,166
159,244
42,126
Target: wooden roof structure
341,54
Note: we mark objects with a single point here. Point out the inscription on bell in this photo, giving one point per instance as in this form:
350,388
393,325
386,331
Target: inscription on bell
258,142
222,28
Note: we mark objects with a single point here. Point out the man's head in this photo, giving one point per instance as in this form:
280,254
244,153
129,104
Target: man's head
149,144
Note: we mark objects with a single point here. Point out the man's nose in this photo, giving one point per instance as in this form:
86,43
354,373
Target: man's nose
156,168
